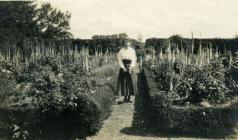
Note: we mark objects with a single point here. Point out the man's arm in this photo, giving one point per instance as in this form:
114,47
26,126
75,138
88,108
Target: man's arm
119,58
133,58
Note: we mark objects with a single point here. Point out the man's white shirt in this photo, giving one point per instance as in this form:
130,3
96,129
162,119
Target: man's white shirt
127,53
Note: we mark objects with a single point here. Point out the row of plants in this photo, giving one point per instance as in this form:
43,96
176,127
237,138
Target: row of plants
160,114
52,98
34,50
192,78
190,93
191,85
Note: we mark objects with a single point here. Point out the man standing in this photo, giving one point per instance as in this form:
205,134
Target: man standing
127,61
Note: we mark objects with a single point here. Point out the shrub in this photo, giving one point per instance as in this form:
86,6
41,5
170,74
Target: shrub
8,83
61,99
163,115
193,120
190,83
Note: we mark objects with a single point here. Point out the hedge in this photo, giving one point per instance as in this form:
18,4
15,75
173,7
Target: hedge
222,44
31,122
161,115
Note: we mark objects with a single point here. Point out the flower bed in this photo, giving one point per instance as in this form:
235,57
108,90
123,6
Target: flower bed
162,115
57,101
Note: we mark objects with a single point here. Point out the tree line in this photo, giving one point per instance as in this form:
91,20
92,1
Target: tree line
222,45
26,19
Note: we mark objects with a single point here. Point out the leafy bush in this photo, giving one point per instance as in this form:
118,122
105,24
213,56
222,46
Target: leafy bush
193,120
192,84
232,75
163,115
8,84
60,98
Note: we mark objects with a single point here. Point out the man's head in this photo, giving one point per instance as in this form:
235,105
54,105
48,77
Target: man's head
127,44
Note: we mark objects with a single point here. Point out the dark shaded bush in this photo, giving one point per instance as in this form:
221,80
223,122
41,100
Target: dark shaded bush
193,120
162,115
7,86
8,82
71,122
61,102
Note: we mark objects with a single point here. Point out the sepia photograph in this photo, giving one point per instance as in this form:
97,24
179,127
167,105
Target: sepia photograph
118,70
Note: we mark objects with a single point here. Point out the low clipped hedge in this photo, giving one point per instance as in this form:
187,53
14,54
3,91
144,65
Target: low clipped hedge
85,118
162,115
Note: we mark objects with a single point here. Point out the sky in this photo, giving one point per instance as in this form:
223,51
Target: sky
151,18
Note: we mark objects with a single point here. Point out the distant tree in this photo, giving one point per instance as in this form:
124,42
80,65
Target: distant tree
123,35
18,21
23,19
236,36
53,23
176,38
113,36
95,37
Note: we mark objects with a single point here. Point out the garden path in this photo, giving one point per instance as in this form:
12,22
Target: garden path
118,126
120,119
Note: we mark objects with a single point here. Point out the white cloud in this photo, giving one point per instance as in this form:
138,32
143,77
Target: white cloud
161,18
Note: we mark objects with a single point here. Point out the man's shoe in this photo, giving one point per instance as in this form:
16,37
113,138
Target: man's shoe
129,101
125,100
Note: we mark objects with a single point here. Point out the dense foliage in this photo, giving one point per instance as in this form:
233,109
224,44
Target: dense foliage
105,43
222,44
186,91
7,83
26,19
158,114
189,83
57,95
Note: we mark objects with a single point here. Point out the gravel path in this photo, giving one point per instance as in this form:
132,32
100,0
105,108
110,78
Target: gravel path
118,126
121,118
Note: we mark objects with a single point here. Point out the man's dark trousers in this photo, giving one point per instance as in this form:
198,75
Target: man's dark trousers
126,83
